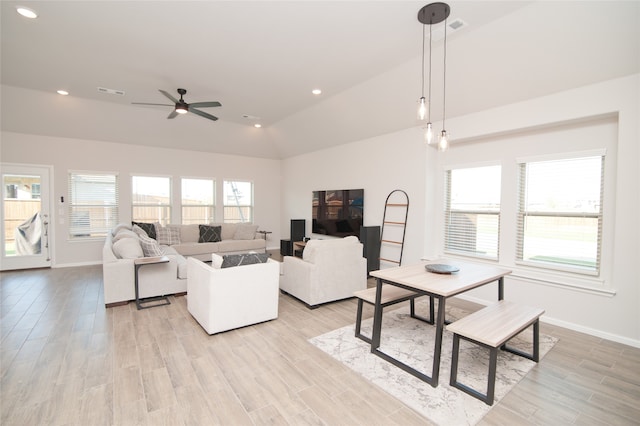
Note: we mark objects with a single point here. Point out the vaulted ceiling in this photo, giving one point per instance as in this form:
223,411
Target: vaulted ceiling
261,59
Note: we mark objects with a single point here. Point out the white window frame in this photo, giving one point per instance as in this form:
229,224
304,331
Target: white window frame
185,206
158,218
244,211
523,213
454,234
91,206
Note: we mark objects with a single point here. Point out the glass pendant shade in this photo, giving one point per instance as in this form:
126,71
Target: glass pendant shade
428,134
443,143
422,109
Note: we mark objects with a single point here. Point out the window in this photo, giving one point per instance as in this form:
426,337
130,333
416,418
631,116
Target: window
198,197
472,211
93,204
560,213
151,199
238,201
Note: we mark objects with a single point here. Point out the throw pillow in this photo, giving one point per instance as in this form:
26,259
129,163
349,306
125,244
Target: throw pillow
120,227
124,233
216,261
149,228
210,234
230,260
150,247
167,235
128,248
245,232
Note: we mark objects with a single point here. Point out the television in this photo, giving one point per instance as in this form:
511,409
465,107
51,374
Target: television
337,213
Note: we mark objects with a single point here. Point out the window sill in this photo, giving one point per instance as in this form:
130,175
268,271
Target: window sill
557,279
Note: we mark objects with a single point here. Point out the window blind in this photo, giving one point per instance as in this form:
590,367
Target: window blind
472,211
238,201
151,199
93,204
198,201
560,213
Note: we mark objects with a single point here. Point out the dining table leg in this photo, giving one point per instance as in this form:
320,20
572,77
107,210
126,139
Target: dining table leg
377,317
437,350
501,288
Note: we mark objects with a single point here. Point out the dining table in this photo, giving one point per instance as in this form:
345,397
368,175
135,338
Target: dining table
453,277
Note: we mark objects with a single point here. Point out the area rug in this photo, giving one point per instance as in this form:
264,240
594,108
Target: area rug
411,341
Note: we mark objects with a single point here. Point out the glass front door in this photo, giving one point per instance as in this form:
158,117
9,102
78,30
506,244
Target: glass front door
25,217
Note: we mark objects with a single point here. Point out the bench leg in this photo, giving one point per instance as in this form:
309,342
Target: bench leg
359,323
491,377
535,355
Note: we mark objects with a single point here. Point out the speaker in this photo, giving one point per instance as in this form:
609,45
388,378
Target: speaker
297,229
370,239
286,248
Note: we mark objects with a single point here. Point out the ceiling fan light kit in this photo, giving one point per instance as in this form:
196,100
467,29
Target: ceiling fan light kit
432,14
182,107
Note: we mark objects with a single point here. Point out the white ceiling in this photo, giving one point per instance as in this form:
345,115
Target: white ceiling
262,58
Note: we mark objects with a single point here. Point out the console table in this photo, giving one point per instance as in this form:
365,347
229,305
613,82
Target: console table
139,263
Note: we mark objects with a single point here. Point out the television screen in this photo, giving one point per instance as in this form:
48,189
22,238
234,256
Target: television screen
338,212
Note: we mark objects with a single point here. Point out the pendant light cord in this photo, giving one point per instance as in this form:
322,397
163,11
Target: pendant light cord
444,78
423,60
429,106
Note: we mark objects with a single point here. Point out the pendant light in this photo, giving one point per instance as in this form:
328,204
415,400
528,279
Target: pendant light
432,14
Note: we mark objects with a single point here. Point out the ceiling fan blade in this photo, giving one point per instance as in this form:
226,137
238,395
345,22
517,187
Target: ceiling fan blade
205,104
173,114
202,113
174,100
144,103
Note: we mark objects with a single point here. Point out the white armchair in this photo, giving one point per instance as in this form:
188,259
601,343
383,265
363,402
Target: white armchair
228,298
329,270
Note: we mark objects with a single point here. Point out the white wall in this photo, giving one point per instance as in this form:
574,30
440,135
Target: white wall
74,154
603,115
551,124
379,165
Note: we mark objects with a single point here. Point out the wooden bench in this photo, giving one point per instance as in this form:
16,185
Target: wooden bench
390,296
492,327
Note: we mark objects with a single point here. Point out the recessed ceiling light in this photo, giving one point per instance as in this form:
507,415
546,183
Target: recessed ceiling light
26,12
62,92
257,125
316,91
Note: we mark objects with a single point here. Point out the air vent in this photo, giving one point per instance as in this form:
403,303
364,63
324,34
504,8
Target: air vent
453,27
111,91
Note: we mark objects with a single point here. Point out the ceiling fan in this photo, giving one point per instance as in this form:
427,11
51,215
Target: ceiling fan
181,107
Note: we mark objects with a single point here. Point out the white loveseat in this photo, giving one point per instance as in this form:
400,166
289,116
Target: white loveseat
222,299
329,270
171,277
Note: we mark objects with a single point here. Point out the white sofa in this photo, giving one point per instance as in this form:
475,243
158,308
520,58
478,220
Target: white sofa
222,299
329,270
171,277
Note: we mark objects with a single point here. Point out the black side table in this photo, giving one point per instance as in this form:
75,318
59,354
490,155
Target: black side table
139,263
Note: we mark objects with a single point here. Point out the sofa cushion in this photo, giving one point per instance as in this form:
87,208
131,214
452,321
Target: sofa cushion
189,233
149,228
124,233
245,232
228,230
128,248
167,235
193,249
226,246
210,234
150,247
230,260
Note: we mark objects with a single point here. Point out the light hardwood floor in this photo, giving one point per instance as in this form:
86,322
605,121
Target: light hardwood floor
67,360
